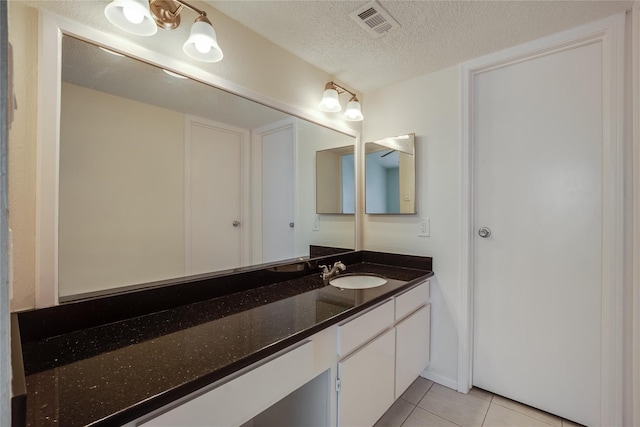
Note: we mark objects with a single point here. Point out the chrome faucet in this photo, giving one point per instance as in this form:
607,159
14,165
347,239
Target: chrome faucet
337,268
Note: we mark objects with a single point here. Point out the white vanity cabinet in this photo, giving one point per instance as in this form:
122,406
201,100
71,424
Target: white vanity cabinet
382,352
372,357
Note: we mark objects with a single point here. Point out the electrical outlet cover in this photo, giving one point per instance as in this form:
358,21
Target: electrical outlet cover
424,227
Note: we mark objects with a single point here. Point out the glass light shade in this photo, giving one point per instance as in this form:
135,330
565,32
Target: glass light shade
353,113
202,44
330,102
132,16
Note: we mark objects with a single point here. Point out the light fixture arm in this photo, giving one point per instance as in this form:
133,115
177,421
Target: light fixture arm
340,89
187,5
166,13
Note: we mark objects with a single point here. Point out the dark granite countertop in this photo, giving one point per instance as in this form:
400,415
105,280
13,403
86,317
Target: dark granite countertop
112,372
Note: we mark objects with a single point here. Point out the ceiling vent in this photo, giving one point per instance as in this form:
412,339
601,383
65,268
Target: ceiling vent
373,18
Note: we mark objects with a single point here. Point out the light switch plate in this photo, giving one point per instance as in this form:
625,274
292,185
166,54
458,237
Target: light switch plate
424,227
316,223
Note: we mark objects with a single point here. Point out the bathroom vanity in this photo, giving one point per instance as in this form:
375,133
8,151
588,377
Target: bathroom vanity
260,346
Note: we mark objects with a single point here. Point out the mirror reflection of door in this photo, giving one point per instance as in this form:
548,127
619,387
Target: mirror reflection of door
214,194
277,143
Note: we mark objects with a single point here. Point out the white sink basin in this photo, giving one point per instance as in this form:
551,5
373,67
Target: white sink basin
357,281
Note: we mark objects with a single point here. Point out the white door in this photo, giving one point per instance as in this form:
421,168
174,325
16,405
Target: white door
214,192
538,187
277,190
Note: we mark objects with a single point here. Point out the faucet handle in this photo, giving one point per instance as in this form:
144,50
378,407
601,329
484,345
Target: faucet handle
325,269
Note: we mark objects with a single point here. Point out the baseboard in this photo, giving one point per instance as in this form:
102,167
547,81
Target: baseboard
440,379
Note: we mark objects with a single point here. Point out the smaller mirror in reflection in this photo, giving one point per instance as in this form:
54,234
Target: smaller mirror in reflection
335,181
390,175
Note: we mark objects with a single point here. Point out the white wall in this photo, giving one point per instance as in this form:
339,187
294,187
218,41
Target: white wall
429,106
121,192
22,154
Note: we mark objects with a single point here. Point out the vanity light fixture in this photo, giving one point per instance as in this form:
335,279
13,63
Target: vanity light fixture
143,17
331,102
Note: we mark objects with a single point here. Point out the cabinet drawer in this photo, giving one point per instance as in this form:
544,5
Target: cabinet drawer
411,300
361,329
244,397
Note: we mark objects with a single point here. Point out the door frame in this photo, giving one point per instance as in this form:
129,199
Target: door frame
635,186
610,33
245,190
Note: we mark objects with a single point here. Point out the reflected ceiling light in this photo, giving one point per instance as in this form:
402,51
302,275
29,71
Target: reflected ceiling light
176,75
110,51
331,102
143,17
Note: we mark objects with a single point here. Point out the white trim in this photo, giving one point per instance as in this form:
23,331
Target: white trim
245,186
256,196
6,91
52,28
609,32
465,336
256,169
612,338
440,379
359,161
635,252
47,162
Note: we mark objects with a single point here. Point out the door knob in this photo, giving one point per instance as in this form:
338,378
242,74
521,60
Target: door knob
236,223
484,232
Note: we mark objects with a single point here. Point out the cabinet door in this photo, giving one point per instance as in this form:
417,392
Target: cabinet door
367,383
412,348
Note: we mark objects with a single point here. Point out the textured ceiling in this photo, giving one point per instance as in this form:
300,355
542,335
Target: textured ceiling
433,34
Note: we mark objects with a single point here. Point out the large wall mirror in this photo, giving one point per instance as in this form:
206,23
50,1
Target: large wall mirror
162,177
390,175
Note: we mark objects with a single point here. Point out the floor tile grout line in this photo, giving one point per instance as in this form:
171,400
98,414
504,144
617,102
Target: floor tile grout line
441,417
405,420
415,405
487,411
527,415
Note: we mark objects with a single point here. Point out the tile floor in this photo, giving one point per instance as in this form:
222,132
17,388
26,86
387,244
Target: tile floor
428,404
